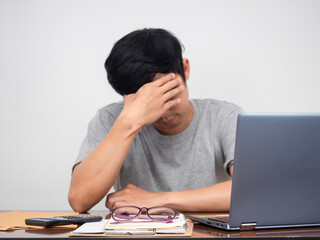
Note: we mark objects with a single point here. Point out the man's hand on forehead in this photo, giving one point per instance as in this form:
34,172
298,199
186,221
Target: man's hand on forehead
153,99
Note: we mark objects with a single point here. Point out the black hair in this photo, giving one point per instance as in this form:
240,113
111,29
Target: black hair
137,57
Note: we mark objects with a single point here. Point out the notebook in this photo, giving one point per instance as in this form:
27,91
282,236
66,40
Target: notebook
276,173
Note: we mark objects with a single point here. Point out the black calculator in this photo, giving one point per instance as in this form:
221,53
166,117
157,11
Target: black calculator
63,220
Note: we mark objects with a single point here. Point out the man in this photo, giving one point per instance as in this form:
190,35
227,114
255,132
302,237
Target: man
156,148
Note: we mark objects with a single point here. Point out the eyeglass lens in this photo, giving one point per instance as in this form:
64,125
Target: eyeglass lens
125,213
161,213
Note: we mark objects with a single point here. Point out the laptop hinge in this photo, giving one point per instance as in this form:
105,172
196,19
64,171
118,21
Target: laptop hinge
248,226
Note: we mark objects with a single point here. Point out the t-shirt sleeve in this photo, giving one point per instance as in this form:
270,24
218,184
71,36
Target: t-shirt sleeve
228,127
98,129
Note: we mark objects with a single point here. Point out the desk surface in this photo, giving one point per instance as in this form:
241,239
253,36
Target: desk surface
199,231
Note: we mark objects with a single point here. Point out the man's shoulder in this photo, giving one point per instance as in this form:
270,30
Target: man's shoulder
111,109
214,105
107,115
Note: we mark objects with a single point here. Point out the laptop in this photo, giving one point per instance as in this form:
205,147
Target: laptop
276,173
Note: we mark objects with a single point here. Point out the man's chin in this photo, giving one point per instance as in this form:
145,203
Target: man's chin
166,129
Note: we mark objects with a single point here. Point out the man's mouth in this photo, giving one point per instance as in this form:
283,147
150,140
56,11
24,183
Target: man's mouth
169,121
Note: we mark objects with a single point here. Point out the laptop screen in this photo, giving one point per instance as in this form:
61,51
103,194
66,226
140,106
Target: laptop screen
276,177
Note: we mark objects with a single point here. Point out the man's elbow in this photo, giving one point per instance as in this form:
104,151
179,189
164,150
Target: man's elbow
77,203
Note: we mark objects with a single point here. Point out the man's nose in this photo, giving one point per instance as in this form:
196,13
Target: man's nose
166,114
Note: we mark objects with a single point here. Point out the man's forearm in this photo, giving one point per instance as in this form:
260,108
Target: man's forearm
93,177
214,198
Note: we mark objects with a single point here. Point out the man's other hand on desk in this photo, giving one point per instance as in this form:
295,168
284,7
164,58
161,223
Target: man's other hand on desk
133,196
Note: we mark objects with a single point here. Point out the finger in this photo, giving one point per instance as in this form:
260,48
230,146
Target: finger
115,201
163,80
172,93
120,204
171,85
112,206
111,199
112,203
108,202
171,103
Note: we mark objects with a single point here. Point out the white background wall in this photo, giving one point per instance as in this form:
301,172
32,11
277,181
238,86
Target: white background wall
262,55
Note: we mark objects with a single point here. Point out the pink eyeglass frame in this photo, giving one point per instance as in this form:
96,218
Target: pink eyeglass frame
146,210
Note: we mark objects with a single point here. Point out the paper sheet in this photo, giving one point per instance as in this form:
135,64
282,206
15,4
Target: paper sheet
15,220
94,227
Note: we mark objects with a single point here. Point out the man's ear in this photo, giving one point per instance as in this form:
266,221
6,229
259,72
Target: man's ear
186,68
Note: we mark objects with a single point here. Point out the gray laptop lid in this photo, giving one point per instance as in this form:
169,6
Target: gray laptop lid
276,179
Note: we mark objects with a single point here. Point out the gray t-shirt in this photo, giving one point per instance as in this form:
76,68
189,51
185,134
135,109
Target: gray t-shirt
195,158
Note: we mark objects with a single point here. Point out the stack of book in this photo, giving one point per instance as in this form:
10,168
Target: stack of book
178,226
146,226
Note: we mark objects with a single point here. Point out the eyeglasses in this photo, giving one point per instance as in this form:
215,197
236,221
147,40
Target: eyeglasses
129,213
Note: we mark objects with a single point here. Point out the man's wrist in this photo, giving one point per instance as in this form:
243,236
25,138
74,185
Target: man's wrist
168,199
133,126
